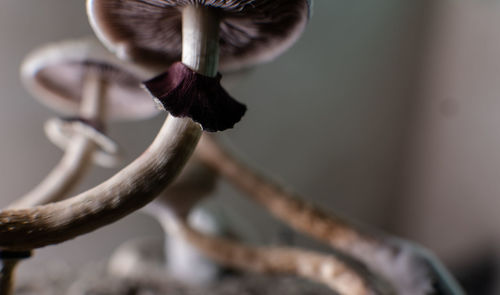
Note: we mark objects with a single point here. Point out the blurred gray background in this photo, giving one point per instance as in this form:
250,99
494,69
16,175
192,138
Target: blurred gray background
384,111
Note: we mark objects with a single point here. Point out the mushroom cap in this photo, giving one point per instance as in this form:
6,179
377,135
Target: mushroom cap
251,31
61,132
55,74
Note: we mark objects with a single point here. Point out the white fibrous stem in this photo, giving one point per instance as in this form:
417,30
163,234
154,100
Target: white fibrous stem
200,39
76,160
128,190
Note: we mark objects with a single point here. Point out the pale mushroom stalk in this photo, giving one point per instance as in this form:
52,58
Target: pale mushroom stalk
128,190
77,157
326,269
406,266
200,39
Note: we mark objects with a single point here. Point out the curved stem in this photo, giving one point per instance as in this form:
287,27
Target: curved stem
128,190
325,269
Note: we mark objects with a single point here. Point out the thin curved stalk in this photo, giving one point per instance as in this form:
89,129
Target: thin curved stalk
128,190
321,268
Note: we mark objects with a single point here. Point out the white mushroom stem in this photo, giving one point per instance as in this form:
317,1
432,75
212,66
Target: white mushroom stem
77,157
128,190
200,39
322,268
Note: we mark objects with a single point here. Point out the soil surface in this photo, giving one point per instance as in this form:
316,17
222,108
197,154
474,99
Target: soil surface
94,280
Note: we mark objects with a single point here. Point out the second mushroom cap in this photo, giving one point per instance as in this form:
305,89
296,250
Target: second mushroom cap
55,75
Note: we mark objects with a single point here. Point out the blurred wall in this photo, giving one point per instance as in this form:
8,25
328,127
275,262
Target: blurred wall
450,202
328,118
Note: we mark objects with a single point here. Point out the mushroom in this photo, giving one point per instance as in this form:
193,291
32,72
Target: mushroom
56,75
128,190
409,268
138,183
231,34
124,28
82,80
